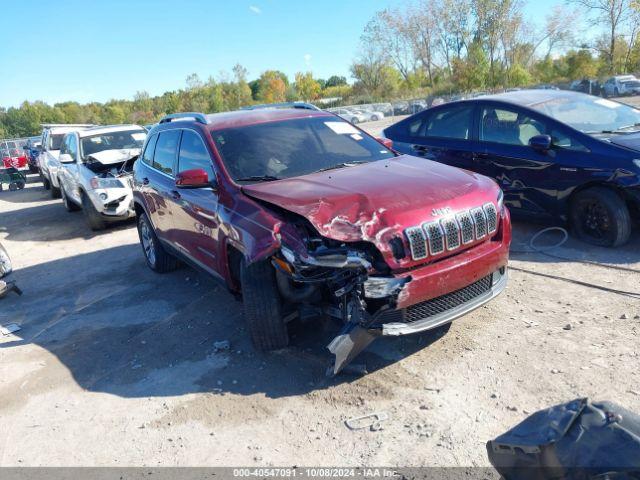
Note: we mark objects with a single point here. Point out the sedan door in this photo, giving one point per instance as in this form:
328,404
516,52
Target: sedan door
443,134
527,176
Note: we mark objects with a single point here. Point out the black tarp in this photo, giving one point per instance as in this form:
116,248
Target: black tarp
576,440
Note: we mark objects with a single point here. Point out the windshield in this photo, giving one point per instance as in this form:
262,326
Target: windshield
291,148
591,114
112,141
55,141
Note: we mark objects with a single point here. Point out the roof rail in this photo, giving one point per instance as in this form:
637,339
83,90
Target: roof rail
198,117
302,105
53,125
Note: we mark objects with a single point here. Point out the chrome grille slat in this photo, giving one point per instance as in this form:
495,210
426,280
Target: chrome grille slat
417,242
435,237
451,232
480,222
492,217
466,227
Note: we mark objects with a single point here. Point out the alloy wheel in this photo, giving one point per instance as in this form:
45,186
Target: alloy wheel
148,244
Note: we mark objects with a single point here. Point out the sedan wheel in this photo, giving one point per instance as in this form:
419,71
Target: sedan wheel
600,216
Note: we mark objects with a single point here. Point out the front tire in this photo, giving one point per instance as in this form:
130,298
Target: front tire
263,306
68,204
158,259
354,120
600,216
91,215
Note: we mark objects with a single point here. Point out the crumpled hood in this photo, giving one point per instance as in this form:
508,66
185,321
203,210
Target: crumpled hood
110,157
378,200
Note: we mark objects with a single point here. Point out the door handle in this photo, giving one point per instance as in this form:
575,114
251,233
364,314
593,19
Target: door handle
145,181
419,148
175,195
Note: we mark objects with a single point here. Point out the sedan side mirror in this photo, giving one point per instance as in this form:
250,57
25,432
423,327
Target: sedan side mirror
65,158
540,143
194,178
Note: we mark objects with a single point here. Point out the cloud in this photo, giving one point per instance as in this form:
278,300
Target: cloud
307,59
255,9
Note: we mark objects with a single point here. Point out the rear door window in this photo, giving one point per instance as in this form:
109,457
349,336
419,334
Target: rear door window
147,156
453,122
194,154
166,151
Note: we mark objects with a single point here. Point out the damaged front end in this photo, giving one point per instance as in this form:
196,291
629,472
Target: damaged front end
111,183
344,281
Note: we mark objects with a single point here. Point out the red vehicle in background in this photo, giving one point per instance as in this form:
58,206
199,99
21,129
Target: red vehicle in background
13,155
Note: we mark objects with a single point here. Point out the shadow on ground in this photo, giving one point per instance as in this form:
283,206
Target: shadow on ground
119,328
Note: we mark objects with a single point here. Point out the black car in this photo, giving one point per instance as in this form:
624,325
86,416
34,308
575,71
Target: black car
555,154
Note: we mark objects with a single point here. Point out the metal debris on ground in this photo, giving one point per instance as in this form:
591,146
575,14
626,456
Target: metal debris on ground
9,328
372,421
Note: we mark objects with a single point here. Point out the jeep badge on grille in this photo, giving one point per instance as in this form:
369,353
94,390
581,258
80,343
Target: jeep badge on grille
441,211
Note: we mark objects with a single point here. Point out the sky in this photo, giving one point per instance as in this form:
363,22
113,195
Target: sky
58,50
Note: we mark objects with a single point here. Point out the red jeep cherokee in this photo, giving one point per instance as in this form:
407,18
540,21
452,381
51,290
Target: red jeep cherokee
305,215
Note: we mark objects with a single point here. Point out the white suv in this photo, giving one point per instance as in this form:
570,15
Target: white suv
621,85
48,164
96,172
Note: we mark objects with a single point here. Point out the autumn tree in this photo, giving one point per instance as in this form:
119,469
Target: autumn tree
306,87
272,87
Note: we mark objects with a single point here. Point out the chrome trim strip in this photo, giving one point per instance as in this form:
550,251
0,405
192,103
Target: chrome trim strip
429,323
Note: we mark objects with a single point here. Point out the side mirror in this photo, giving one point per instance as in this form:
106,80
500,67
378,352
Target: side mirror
65,158
386,142
194,178
540,143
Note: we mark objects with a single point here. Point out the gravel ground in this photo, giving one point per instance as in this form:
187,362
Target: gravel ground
115,365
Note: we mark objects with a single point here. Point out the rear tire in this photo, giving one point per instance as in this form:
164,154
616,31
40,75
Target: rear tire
55,191
262,306
45,182
600,216
91,215
157,258
354,120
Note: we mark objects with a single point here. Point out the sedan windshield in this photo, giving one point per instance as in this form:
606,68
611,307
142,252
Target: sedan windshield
112,141
284,149
591,114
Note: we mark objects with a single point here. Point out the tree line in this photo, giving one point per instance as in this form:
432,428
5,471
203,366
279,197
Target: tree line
428,47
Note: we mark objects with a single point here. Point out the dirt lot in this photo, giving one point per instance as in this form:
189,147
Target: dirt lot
115,365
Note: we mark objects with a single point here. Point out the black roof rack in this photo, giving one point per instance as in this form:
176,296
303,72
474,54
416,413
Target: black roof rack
303,105
198,117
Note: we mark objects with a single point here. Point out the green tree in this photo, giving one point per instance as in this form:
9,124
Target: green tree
306,87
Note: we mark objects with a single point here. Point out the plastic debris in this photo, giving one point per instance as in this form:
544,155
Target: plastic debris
372,421
9,328
221,345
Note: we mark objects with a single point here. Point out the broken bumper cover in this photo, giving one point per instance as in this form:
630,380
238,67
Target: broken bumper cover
462,302
113,203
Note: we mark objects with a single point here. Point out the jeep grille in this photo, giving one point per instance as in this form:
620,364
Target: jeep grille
452,232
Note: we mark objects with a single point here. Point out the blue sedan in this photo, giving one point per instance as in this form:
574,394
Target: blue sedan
557,154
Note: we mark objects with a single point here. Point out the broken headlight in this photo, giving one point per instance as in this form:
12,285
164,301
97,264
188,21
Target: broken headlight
97,182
